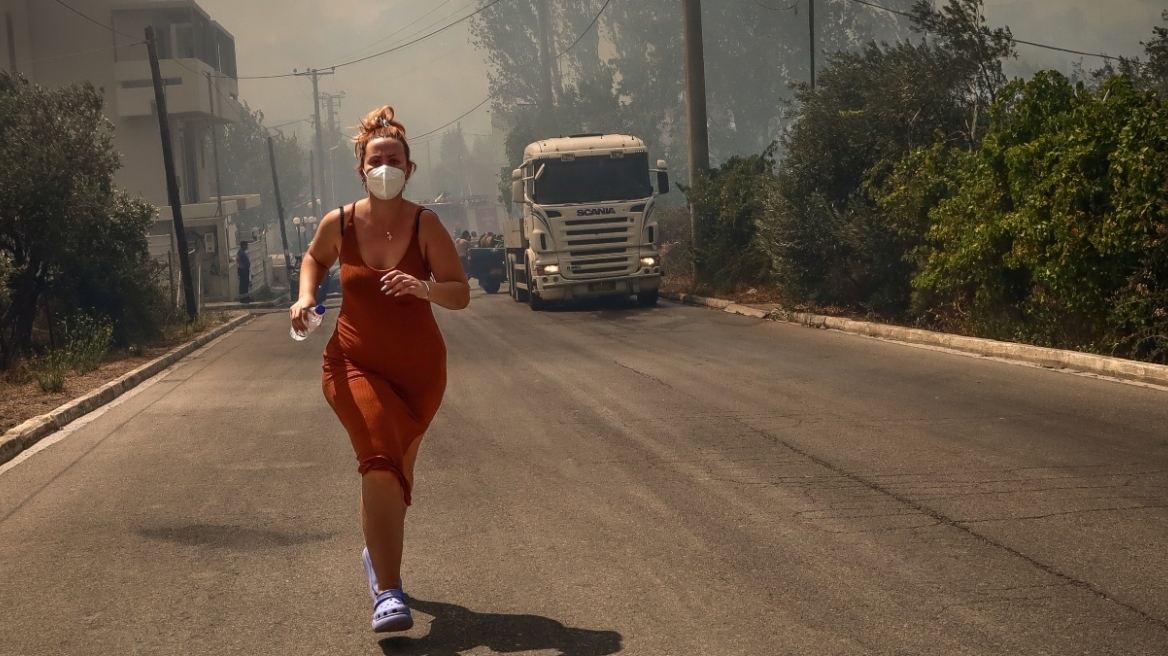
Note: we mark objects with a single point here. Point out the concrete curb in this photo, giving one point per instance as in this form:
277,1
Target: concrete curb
23,436
1046,357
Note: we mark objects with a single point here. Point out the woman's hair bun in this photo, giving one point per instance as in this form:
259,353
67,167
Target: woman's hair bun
380,124
382,119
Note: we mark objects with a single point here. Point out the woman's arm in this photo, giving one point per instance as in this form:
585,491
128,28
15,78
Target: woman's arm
449,287
322,253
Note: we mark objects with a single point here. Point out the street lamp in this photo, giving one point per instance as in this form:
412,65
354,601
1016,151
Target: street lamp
299,233
312,223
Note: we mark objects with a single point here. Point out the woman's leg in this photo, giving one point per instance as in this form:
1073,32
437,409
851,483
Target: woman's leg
383,518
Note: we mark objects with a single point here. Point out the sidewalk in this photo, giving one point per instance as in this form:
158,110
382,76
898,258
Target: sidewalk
1069,361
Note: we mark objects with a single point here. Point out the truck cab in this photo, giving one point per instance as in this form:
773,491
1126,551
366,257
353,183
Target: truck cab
587,227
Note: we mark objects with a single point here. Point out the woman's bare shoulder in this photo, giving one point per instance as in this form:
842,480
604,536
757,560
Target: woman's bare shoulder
428,220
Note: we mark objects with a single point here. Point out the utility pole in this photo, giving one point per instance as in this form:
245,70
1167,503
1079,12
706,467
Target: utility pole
695,100
811,21
215,146
316,75
547,96
316,213
334,106
180,232
430,171
280,213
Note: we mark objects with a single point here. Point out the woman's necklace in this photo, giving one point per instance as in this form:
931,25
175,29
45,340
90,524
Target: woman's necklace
389,235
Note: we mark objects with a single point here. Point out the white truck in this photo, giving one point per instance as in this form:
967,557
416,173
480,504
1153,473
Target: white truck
587,227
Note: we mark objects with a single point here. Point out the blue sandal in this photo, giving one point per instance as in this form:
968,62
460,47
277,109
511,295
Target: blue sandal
373,576
390,612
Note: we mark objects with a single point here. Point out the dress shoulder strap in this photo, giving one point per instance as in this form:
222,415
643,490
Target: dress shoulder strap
342,209
418,218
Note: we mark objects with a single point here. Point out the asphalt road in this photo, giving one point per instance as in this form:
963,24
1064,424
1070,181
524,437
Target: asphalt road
601,480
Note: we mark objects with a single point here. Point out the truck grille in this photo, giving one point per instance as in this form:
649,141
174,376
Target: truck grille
598,247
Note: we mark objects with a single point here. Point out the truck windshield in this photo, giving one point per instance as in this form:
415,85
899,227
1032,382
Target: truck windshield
594,179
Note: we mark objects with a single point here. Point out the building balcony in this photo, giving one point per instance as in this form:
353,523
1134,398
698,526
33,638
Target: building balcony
187,93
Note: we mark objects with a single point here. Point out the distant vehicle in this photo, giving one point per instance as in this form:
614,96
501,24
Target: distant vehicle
326,285
488,265
587,228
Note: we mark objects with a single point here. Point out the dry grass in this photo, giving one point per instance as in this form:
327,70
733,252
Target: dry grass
21,398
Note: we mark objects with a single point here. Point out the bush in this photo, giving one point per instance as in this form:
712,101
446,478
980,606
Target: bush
730,203
89,341
1057,230
50,370
68,237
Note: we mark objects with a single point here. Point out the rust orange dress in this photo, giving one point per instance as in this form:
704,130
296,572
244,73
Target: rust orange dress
385,366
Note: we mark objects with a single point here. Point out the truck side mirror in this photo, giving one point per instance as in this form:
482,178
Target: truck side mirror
517,187
663,182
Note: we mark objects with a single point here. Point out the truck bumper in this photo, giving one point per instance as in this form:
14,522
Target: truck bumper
556,288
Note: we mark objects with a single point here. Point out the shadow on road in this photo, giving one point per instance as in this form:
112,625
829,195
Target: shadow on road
240,538
455,630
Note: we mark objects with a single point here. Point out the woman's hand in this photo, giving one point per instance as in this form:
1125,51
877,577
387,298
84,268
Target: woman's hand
300,312
398,283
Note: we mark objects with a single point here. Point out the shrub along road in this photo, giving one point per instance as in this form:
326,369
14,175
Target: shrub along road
608,479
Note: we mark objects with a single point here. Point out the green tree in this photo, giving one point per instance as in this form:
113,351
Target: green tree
627,74
1057,231
829,241
70,243
246,168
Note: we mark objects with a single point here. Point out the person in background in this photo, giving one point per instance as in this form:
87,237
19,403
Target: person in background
243,264
462,245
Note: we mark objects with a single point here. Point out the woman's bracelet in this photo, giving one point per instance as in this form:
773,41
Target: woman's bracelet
427,284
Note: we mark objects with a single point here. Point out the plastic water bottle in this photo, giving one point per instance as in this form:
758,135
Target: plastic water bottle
313,321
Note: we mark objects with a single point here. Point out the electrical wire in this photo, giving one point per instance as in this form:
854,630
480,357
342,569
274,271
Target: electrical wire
1012,38
586,30
403,28
401,46
472,110
488,98
794,5
95,22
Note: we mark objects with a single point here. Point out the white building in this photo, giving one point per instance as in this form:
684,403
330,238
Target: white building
102,42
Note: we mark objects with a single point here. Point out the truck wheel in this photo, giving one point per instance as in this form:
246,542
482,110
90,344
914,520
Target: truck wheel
647,298
491,286
519,295
534,301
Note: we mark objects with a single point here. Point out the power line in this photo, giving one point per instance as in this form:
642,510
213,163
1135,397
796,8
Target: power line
401,46
586,30
480,10
1012,38
95,22
488,98
404,27
794,5
473,110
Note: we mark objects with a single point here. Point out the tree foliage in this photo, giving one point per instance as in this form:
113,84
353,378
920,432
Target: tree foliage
246,168
70,243
730,203
828,240
1057,232
627,74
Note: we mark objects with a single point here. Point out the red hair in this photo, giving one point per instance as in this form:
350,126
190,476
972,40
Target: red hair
380,124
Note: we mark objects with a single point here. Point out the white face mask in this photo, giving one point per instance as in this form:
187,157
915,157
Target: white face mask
385,182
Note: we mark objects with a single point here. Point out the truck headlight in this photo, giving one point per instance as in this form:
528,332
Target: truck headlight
546,269
648,261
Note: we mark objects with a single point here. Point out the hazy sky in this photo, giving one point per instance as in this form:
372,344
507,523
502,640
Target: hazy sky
429,84
437,80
